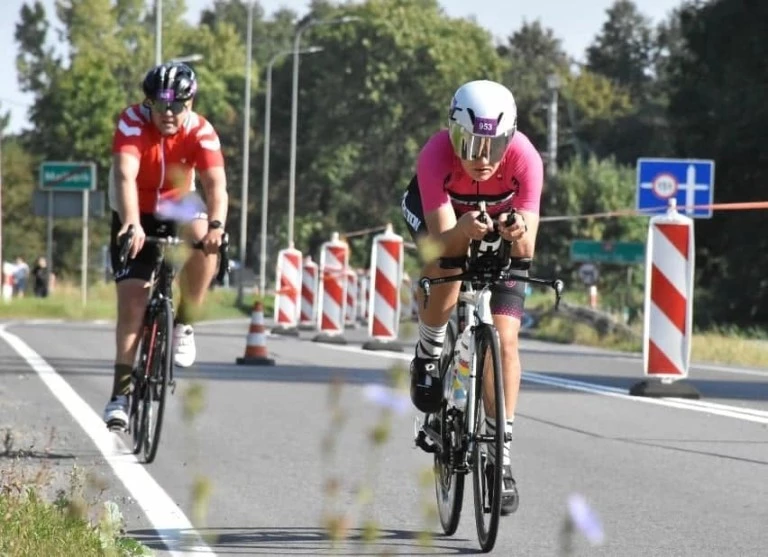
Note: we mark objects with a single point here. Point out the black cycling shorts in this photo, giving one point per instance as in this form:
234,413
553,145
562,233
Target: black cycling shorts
506,299
142,266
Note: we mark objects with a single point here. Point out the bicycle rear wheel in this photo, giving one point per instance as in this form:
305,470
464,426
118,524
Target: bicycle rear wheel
160,362
487,500
449,486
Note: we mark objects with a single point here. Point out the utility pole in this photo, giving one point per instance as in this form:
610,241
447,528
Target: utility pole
158,32
2,276
553,84
246,156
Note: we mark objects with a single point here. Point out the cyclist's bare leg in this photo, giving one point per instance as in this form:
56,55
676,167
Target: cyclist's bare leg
442,297
509,330
132,296
198,271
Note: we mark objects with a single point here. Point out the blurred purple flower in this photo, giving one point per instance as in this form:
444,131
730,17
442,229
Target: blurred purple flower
184,208
585,520
388,398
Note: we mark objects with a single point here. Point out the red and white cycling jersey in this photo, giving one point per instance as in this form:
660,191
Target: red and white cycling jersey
166,162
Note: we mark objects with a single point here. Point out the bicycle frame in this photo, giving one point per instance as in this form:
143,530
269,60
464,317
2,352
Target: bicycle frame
160,291
477,308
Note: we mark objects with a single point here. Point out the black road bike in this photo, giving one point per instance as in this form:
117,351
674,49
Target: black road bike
152,373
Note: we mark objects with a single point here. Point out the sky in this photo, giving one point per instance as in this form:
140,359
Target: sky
575,23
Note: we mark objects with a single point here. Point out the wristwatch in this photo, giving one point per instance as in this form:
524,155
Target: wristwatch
214,224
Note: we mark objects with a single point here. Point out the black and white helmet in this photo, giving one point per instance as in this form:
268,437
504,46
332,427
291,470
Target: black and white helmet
170,82
482,120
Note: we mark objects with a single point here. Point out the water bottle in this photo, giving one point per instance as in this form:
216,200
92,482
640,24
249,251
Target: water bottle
460,372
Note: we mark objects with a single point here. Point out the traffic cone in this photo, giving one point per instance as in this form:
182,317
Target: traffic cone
256,343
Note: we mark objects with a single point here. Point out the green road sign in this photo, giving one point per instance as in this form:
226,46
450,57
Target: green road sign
67,176
626,253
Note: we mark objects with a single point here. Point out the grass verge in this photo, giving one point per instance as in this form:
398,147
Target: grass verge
70,525
66,303
731,347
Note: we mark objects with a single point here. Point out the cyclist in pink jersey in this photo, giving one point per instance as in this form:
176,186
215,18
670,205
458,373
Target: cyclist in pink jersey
481,157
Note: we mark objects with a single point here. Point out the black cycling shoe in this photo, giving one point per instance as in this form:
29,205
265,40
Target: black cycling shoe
426,385
510,498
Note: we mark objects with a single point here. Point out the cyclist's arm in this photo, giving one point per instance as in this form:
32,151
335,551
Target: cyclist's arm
125,167
443,228
526,245
434,163
214,181
210,163
528,199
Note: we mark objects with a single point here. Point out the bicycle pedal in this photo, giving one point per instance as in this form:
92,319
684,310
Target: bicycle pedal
422,443
172,385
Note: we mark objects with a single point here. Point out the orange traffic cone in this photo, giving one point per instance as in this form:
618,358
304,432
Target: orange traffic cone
256,343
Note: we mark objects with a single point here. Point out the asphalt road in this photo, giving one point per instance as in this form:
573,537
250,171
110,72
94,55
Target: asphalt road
283,448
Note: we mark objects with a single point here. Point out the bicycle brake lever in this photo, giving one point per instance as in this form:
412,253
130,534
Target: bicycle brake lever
558,287
125,242
425,286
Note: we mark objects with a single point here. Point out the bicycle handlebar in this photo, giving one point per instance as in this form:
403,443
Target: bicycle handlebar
126,240
490,277
495,271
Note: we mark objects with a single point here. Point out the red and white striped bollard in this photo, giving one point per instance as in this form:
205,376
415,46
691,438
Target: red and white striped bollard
288,292
669,281
350,315
332,295
385,304
309,284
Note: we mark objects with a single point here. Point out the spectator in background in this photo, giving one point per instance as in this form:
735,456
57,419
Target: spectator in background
20,277
41,277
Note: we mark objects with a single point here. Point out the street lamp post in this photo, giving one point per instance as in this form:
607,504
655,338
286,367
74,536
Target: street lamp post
265,166
158,32
246,154
2,274
294,115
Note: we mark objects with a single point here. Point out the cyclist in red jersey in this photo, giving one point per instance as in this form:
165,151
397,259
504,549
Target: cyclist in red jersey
157,148
481,157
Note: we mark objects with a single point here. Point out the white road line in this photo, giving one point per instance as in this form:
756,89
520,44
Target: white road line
172,526
745,414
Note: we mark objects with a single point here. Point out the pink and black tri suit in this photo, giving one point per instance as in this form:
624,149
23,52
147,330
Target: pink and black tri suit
440,180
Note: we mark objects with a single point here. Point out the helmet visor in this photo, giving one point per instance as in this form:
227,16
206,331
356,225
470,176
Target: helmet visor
469,146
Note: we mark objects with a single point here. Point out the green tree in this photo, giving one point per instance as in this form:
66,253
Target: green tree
368,102
624,48
627,51
110,47
23,233
718,111
593,107
533,54
585,187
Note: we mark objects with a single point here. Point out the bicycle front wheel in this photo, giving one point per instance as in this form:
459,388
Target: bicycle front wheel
487,478
137,418
156,389
449,485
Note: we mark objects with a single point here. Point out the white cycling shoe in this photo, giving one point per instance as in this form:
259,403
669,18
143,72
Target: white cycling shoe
116,412
184,352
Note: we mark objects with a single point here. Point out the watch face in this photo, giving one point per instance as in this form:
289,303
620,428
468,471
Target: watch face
214,224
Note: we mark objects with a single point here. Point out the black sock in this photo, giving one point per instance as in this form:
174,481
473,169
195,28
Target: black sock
122,381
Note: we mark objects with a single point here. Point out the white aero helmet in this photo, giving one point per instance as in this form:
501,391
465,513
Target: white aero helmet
482,120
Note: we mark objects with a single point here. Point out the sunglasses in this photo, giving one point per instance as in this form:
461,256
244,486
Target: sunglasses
161,107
